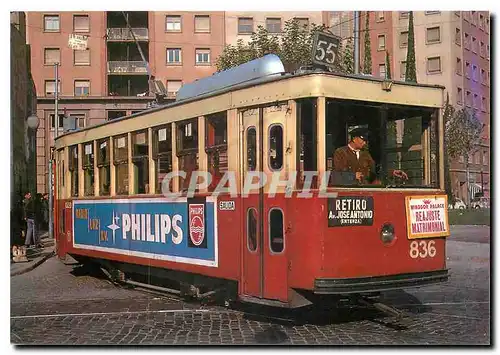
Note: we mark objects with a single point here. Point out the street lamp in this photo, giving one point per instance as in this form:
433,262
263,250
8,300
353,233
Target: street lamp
33,122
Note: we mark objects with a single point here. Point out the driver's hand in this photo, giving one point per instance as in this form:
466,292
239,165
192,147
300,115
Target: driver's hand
400,174
359,175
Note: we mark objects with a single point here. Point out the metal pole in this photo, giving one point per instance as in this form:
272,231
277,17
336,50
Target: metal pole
56,131
356,42
467,176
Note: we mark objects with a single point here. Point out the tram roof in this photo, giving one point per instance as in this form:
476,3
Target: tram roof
246,84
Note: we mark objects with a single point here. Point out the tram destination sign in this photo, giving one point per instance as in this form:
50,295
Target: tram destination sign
325,49
350,211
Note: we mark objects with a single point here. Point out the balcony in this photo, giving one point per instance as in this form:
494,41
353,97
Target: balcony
123,34
127,67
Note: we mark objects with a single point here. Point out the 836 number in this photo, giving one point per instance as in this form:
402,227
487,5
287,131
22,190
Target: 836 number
422,249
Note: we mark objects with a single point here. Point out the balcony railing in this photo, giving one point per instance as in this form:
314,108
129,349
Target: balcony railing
123,34
127,67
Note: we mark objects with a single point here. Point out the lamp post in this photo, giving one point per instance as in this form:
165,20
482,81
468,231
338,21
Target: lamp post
33,122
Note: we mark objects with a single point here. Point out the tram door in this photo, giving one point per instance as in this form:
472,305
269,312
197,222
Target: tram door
264,259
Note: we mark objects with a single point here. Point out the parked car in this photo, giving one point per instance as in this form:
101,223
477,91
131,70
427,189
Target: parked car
481,202
459,204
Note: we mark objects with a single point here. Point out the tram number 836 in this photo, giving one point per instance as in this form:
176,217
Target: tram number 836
422,249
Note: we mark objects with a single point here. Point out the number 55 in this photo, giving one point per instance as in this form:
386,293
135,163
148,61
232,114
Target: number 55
329,50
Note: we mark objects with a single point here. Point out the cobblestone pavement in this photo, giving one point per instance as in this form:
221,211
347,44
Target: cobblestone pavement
56,304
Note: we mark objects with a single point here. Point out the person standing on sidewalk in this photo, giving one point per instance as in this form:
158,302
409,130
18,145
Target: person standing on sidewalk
29,217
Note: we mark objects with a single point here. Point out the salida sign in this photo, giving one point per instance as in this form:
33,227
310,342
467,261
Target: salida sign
427,216
350,211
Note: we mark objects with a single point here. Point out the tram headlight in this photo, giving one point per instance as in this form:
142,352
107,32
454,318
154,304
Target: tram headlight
387,233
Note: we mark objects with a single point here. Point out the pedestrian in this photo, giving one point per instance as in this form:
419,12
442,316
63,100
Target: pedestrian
29,217
45,209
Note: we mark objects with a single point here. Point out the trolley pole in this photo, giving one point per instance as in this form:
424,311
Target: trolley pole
56,131
356,41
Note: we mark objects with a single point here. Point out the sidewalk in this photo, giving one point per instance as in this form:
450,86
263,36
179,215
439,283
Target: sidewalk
35,256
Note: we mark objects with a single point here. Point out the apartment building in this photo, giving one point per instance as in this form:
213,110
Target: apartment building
240,25
452,49
110,79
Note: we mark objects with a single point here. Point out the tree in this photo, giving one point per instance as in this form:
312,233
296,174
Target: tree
411,72
387,66
347,61
294,48
447,115
367,63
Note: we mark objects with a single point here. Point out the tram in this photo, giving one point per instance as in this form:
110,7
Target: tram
276,224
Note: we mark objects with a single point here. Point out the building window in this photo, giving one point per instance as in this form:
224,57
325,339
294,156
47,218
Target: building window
481,49
381,70
483,77
433,35
140,160
458,69
488,51
470,160
82,57
245,25
79,120
474,73
273,25
82,87
458,36
53,121
477,158
403,39
174,56
483,104
481,21
461,159
104,167
468,98
403,70
162,154
475,100
467,70
459,96
120,159
473,16
173,23
467,41
434,65
474,44
202,23
88,169
457,13
485,158
432,12
73,169
51,23
202,56
173,86
52,56
381,42
487,27
81,23
50,87
380,16
303,22
404,14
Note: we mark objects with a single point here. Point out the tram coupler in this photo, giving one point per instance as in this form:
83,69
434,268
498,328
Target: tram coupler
384,308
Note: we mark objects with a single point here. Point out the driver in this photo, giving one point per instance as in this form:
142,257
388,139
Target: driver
354,159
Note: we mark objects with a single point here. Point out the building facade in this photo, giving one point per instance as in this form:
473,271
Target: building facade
452,49
22,105
111,78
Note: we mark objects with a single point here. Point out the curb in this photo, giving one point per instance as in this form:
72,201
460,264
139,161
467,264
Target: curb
34,265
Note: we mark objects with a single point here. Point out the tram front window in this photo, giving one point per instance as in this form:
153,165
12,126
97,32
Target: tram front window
376,145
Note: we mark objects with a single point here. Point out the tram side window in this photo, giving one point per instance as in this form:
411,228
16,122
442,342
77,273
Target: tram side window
187,150
307,147
216,147
251,149
276,147
120,158
73,169
162,154
252,229
88,169
276,231
104,167
140,159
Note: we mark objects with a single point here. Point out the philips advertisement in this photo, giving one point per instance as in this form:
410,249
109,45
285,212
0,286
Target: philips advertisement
183,230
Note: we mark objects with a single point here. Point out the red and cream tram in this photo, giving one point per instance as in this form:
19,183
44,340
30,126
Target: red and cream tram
307,231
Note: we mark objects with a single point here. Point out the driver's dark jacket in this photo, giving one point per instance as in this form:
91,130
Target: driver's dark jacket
345,159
